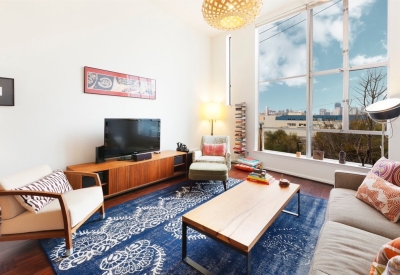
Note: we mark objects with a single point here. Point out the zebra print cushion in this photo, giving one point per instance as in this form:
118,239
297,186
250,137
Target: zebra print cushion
55,182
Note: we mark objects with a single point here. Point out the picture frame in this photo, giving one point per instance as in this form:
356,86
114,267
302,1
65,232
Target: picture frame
6,91
103,82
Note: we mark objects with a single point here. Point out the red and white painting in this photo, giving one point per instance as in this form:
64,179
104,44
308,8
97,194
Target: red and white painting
117,84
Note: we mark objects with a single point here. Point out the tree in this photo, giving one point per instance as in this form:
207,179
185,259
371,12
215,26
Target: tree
281,141
359,148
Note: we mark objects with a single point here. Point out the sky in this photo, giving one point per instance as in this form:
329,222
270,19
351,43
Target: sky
282,53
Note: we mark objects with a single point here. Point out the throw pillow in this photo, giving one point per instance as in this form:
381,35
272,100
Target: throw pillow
56,182
387,252
382,195
214,149
387,169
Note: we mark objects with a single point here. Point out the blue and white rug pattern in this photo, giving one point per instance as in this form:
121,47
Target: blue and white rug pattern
143,236
117,229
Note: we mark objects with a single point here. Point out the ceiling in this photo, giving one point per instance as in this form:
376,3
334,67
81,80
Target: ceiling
189,11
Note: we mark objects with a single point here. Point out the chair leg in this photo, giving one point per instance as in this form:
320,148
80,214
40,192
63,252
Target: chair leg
190,189
68,252
68,242
224,184
102,212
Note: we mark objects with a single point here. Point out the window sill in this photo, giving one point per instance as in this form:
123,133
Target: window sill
329,162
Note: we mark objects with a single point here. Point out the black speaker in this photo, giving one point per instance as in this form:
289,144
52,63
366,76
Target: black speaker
141,156
100,154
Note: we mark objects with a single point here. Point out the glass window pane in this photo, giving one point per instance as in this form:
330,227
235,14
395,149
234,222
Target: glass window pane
328,36
367,32
358,148
327,101
366,87
282,108
282,48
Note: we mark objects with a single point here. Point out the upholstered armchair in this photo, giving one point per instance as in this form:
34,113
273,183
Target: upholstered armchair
210,150
40,203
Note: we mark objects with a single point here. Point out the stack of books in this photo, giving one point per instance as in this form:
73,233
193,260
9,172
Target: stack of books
263,177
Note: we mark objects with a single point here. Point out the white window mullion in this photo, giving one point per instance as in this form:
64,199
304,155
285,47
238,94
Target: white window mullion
346,73
309,81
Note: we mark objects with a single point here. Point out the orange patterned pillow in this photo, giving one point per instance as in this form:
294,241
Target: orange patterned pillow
382,195
388,170
387,252
214,149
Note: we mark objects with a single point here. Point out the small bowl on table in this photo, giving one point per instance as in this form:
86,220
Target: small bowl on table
284,183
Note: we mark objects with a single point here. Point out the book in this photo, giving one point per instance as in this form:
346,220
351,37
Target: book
258,181
249,161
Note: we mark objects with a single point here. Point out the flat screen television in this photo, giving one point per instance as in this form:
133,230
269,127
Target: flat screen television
127,136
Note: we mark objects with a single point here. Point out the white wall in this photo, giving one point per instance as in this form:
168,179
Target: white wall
243,88
44,47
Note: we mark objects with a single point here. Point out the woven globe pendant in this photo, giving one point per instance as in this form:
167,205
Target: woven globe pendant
230,14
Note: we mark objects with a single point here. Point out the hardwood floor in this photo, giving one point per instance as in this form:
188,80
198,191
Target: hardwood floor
31,259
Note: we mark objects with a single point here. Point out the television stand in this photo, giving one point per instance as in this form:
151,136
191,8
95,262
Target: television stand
119,176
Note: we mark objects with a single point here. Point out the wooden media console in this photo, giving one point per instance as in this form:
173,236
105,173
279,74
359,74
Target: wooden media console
121,176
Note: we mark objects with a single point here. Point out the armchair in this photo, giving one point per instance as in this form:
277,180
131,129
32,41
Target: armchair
60,217
198,155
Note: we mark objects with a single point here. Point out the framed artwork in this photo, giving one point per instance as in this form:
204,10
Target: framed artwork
6,91
103,82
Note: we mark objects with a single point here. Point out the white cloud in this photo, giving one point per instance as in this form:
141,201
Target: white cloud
362,59
359,7
284,55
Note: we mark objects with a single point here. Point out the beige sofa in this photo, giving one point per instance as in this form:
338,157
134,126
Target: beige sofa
353,231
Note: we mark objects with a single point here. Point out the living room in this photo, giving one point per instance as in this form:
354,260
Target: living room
54,122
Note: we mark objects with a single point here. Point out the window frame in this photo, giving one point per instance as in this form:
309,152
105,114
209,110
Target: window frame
310,74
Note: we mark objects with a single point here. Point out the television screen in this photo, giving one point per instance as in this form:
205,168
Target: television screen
124,136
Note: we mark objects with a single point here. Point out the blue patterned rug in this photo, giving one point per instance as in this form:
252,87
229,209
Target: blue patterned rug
143,236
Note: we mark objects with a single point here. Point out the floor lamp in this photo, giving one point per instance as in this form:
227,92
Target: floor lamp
212,111
382,112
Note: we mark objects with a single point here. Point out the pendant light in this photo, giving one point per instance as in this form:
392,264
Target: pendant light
230,14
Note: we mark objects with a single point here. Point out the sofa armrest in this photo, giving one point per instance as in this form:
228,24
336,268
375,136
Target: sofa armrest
228,160
196,154
63,203
348,179
73,175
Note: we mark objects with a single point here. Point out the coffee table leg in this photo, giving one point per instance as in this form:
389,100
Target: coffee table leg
184,240
298,207
249,263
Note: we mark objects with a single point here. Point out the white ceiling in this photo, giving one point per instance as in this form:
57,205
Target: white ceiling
189,11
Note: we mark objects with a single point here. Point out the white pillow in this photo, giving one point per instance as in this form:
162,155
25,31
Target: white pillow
55,182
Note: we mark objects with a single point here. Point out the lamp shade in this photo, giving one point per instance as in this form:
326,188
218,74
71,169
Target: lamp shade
230,14
384,110
212,110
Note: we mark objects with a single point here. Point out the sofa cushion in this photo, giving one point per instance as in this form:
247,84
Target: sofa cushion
214,149
344,207
382,195
343,249
80,203
388,170
10,207
214,159
56,182
387,251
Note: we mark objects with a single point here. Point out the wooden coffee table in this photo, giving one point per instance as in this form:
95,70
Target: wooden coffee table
239,217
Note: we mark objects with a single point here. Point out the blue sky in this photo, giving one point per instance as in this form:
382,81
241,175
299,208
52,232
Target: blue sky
283,55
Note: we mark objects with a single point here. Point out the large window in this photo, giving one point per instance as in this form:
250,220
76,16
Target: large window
318,70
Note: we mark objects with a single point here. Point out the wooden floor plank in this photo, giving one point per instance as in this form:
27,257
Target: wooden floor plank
33,260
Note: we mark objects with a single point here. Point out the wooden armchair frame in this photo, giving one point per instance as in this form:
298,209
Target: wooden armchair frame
67,231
